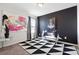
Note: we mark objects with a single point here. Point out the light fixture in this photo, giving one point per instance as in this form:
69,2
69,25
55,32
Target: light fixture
40,4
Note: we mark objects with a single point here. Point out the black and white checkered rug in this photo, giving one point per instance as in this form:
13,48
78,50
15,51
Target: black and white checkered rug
48,47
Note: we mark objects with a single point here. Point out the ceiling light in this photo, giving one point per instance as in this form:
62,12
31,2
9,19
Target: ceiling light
40,4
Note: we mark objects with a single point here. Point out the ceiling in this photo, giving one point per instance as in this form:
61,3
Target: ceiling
34,9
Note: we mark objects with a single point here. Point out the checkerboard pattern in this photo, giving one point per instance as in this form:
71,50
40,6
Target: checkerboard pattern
48,47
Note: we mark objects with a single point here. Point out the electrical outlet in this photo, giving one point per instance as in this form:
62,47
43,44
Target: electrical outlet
65,37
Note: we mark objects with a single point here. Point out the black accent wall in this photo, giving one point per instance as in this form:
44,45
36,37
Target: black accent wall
65,24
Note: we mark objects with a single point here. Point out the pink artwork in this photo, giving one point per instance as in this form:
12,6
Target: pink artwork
21,18
11,17
14,28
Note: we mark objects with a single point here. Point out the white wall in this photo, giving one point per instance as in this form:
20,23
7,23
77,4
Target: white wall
18,36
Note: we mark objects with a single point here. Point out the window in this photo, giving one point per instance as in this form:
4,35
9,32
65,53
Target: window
33,28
